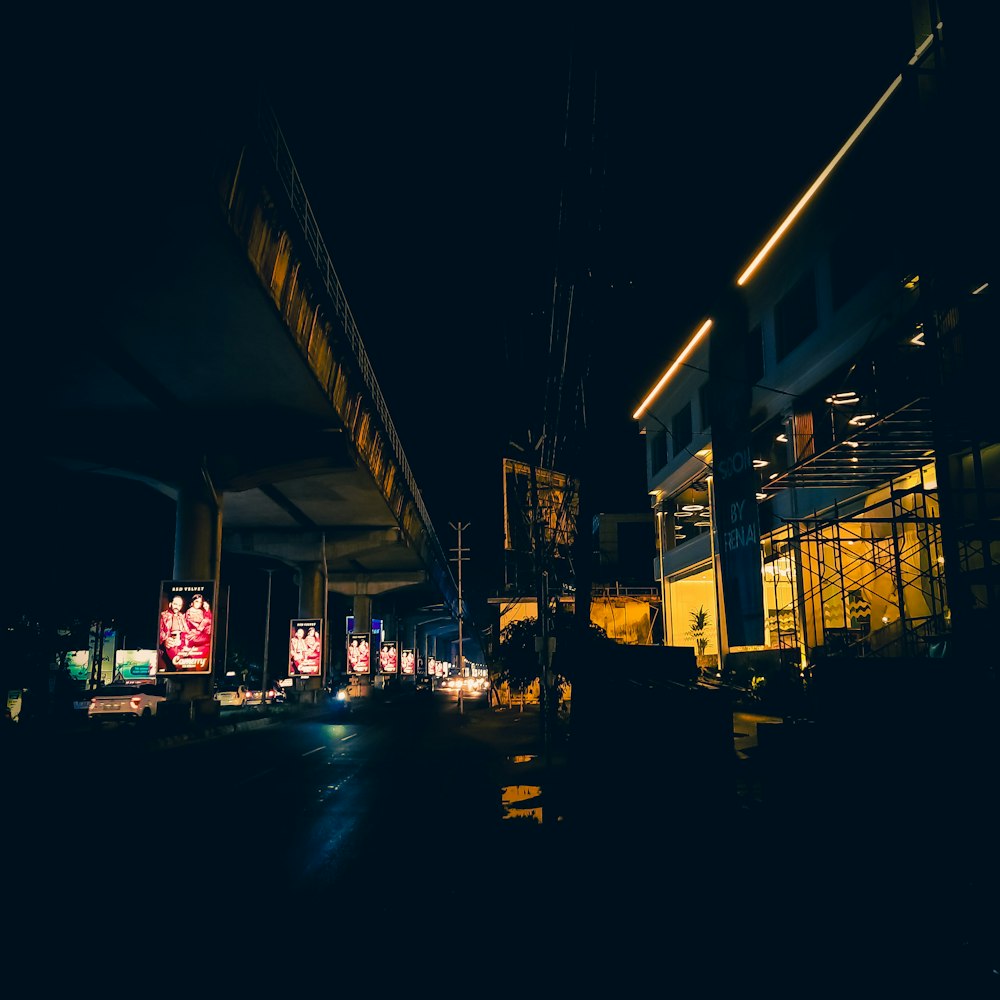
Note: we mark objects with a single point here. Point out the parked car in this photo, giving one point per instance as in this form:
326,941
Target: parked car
232,697
126,703
275,696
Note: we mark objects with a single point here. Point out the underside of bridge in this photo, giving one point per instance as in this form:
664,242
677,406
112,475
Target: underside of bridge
196,338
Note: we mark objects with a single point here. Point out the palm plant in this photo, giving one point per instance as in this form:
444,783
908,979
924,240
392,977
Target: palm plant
700,622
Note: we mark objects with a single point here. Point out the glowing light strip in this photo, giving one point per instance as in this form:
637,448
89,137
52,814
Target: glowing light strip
816,184
789,219
665,377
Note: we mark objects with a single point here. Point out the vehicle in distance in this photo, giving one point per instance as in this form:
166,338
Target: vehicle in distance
232,697
126,703
275,696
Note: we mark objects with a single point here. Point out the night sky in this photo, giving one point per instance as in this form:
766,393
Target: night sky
453,186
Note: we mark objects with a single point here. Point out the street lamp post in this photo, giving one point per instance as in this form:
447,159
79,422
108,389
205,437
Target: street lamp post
461,660
267,641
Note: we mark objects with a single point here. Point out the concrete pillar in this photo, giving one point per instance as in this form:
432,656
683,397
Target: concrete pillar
311,578
312,590
197,554
362,613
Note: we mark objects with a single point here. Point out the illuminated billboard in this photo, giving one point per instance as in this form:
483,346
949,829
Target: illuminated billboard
305,647
558,505
136,664
186,634
408,662
78,664
387,657
358,654
549,503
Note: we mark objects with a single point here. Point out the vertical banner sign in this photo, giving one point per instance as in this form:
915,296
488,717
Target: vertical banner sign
186,634
358,653
735,480
305,647
408,663
387,657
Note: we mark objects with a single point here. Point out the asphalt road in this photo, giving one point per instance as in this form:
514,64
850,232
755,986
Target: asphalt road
391,841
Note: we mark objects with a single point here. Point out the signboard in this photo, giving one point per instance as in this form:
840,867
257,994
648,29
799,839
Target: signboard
78,664
185,634
358,654
388,657
305,647
408,663
136,664
558,508
735,480
102,643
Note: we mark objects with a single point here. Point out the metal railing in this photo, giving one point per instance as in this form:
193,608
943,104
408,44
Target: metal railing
299,203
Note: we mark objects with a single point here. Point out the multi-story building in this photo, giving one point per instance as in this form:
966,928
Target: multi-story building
823,455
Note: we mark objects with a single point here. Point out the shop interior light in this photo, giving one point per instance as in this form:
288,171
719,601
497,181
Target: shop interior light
760,463
860,419
693,506
783,438
844,398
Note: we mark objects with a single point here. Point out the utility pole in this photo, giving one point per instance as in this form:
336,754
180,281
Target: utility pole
541,604
460,558
267,642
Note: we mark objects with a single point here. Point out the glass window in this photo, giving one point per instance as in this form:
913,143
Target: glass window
795,316
680,429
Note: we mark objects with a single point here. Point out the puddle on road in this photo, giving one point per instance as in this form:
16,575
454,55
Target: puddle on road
522,802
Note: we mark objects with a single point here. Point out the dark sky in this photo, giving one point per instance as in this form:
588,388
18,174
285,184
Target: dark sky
446,175
432,151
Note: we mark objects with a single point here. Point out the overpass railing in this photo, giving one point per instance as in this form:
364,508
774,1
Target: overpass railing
299,203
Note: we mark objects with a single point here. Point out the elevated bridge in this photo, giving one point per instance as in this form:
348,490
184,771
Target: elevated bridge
201,341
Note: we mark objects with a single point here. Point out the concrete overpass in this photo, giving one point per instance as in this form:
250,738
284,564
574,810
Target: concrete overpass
197,338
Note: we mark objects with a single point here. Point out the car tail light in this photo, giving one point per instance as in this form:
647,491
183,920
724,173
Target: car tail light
135,701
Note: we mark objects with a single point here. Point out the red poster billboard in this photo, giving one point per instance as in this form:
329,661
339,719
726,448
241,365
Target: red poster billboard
186,634
408,662
305,647
358,654
387,658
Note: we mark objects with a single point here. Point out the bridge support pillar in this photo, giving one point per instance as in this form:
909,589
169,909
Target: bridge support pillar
362,612
197,554
312,590
311,578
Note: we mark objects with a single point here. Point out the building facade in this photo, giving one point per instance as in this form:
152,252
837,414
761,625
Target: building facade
823,456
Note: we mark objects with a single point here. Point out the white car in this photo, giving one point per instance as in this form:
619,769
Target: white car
232,697
126,703
275,696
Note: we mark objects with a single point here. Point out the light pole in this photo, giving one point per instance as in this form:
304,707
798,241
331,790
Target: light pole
461,663
663,582
267,642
